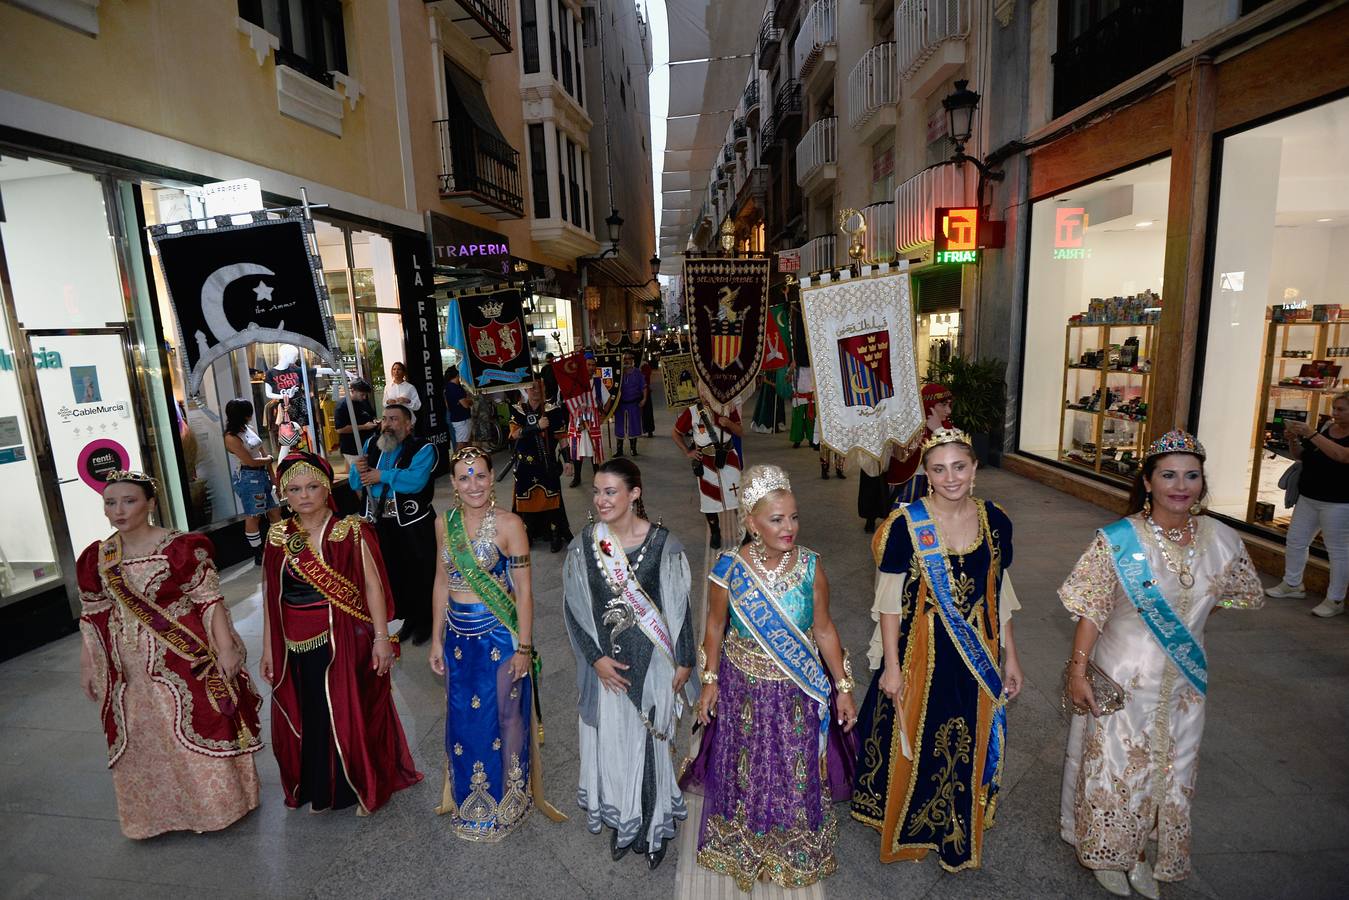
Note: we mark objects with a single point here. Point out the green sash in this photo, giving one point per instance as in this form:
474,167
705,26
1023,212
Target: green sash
488,589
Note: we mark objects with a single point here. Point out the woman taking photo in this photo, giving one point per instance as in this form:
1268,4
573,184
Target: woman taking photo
626,590
327,652
934,723
482,645
776,701
161,656
250,473
1136,674
1322,505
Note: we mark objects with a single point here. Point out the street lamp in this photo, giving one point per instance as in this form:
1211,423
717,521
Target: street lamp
614,222
960,107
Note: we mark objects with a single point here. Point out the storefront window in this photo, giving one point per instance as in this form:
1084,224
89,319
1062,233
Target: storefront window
1277,337
1094,294
550,325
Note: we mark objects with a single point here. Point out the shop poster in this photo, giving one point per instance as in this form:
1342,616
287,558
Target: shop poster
726,303
680,379
860,336
234,285
497,340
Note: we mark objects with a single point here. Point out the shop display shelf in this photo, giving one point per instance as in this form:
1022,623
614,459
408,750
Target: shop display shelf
1125,417
1306,390
1138,372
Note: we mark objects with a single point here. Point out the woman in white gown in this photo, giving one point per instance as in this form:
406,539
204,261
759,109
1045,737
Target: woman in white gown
1141,594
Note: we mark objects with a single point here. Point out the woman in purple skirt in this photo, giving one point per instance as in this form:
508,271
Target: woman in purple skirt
632,394
776,702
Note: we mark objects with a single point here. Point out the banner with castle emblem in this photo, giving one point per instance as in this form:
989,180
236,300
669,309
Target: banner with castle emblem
860,335
727,309
498,352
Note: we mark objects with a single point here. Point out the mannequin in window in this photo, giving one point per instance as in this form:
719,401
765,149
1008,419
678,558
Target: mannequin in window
286,382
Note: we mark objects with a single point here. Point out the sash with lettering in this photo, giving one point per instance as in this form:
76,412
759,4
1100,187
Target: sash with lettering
937,571
1131,566
221,717
609,551
309,567
776,634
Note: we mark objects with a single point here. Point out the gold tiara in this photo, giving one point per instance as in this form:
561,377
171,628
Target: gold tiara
127,475
304,468
465,453
762,481
946,436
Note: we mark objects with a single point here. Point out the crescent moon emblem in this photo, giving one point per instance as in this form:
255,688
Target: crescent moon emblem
213,296
859,389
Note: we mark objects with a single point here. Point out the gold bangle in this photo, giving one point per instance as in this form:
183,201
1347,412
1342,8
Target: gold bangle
844,685
708,677
1081,653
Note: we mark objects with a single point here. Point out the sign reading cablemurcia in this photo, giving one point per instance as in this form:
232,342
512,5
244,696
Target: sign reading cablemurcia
727,302
234,285
860,333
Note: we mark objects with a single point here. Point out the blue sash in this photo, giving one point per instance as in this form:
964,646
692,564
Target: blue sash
776,634
937,569
1135,575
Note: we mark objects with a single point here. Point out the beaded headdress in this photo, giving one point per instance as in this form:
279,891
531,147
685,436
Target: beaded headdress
762,483
302,463
1176,441
946,436
127,475
468,455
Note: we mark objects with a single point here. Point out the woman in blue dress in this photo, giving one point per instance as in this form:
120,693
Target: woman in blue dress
482,645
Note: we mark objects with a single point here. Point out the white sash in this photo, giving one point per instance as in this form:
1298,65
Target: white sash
609,551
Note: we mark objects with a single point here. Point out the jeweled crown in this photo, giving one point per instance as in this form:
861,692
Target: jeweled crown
761,481
1176,441
492,310
946,436
127,475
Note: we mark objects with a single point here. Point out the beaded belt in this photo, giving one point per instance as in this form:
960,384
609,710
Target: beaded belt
746,656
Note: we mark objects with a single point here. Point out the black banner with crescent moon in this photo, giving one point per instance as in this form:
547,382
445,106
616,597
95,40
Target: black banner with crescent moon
727,309
234,285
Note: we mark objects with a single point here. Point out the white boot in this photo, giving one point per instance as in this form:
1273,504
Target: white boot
1113,881
1140,876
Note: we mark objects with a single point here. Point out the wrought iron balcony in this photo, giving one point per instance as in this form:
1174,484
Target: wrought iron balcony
770,40
769,141
873,84
787,105
817,154
751,95
478,170
486,22
815,39
740,134
922,26
1138,34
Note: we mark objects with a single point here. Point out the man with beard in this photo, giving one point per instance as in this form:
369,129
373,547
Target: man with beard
539,430
396,474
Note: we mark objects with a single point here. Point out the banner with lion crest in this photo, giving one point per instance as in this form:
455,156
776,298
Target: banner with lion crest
860,335
727,310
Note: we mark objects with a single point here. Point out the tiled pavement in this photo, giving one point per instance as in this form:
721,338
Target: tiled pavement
1271,818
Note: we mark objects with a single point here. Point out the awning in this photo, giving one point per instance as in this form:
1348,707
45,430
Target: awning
466,92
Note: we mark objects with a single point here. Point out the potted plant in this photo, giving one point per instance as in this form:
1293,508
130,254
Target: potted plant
979,397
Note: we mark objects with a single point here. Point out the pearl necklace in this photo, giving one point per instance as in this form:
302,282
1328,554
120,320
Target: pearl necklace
1183,571
760,560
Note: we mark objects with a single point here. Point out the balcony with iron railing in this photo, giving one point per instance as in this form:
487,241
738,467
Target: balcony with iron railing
816,48
478,170
787,104
878,242
740,135
817,156
873,90
770,40
750,99
925,29
1138,34
817,254
769,140
729,159
485,22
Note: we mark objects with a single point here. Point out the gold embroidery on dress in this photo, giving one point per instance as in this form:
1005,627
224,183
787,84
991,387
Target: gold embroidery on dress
458,749
475,702
790,857
458,653
742,779
746,717
345,527
952,744
495,655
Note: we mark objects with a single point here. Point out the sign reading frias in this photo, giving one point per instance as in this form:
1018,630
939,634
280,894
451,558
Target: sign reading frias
498,351
727,309
860,334
234,285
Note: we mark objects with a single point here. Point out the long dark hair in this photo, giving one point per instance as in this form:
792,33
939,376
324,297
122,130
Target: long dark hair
632,476
237,413
1138,491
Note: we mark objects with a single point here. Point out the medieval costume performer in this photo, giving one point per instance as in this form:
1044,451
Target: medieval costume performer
649,405
933,725
327,652
904,481
803,407
541,458
777,703
397,473
1142,594
710,442
584,438
482,647
633,392
161,657
768,410
626,594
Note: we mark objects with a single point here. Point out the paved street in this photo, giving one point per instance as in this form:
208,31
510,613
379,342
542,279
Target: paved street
1271,817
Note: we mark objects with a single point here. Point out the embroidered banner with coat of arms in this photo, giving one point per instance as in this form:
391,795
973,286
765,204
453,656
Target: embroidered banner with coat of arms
498,352
727,310
860,335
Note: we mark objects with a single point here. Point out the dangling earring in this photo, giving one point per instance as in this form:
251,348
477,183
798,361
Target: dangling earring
458,501
1196,508
493,501
756,539
1147,505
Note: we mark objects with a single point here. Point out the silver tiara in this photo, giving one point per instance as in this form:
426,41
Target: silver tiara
762,483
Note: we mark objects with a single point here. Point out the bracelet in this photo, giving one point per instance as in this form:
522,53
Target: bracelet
383,637
708,677
525,648
1081,653
845,684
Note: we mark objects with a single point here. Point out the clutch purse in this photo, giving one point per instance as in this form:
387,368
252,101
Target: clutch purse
1107,691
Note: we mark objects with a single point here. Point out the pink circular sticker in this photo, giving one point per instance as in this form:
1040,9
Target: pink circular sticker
100,457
